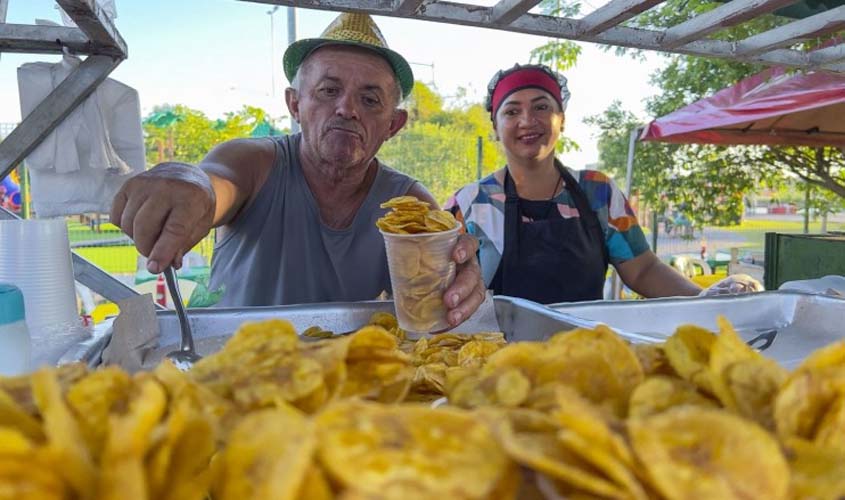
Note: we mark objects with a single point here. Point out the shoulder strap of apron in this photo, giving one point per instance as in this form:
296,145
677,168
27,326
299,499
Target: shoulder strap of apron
512,220
588,215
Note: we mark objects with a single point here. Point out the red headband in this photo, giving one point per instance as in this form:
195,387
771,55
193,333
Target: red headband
524,78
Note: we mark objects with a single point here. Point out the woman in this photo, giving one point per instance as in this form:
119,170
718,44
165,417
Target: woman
547,233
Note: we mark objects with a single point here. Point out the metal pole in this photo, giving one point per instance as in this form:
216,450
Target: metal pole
294,126
479,157
629,180
629,174
807,207
24,191
272,52
656,228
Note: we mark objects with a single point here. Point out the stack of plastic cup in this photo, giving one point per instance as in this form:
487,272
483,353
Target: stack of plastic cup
35,257
421,269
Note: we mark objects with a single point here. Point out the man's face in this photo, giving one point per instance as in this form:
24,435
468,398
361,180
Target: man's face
346,104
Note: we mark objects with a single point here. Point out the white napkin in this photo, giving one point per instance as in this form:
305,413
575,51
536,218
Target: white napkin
82,164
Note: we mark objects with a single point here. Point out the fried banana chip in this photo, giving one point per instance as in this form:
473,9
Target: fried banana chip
596,362
692,452
660,393
653,359
315,486
830,432
177,467
92,399
752,385
414,449
727,350
26,471
804,398
475,352
14,415
268,456
816,471
123,475
688,351
532,443
65,443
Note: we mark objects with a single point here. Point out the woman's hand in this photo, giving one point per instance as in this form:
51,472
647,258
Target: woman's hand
733,284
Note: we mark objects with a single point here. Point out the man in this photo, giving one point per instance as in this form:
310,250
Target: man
297,213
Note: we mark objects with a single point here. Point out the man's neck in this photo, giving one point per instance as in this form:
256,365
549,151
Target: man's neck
535,180
338,189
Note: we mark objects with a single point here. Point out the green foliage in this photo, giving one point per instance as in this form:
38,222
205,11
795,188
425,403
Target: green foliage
706,182
179,133
821,167
423,104
560,55
438,147
653,162
560,9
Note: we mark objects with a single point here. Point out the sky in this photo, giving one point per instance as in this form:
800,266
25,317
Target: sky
218,55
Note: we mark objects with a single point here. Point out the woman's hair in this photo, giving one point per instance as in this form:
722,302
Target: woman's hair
506,82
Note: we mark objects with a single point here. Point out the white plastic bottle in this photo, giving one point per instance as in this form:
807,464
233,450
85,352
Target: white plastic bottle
15,344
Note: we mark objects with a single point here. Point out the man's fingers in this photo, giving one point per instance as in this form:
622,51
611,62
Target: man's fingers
175,236
465,248
177,262
127,216
463,297
146,227
467,307
117,206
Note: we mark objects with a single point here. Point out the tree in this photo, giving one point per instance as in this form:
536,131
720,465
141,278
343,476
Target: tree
707,181
653,162
560,55
822,166
179,133
438,146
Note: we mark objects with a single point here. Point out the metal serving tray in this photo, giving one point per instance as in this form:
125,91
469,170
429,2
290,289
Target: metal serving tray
786,326
519,320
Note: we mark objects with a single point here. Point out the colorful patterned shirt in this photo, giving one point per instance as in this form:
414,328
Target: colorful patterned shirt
480,206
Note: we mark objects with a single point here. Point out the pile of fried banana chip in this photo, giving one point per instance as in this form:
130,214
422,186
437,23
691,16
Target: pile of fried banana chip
409,215
582,415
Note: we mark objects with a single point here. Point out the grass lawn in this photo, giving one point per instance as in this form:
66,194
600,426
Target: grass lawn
754,230
80,232
113,260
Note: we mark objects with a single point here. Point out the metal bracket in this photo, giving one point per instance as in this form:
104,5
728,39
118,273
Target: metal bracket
96,36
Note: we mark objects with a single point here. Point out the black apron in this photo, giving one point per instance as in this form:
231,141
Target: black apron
552,259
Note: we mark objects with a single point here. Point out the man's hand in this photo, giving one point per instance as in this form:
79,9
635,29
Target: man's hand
468,291
166,211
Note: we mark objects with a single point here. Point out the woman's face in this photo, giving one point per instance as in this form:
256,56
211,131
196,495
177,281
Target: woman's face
528,123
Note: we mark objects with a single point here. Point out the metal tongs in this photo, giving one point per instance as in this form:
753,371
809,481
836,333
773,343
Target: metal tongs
186,356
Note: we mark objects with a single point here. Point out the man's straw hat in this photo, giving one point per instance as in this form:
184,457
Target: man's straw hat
351,28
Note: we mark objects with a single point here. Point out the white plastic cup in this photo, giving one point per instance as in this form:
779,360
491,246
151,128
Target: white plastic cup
35,256
421,270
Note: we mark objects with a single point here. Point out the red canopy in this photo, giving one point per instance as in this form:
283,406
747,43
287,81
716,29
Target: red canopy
771,107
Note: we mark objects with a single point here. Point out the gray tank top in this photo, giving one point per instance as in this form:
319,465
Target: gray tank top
278,251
